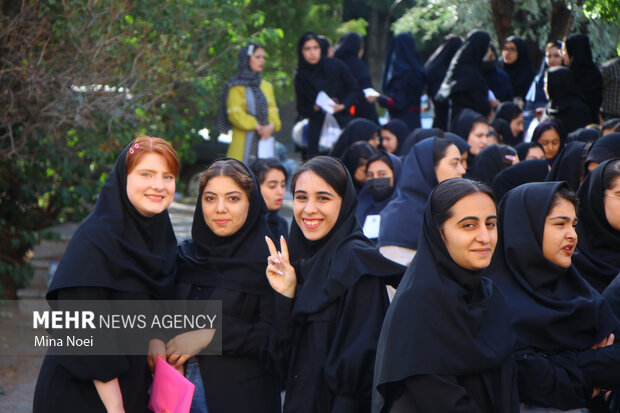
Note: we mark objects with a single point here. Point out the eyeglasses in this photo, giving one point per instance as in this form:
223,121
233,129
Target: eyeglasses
509,49
613,196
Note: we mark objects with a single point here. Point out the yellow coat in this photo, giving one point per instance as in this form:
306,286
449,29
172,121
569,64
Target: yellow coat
242,121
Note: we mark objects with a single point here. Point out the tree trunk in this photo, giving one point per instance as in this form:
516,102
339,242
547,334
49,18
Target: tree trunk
378,38
503,13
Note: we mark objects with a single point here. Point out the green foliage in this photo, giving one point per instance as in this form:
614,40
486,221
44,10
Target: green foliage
356,25
606,10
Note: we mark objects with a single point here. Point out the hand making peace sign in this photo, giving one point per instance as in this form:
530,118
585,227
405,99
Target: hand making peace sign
280,272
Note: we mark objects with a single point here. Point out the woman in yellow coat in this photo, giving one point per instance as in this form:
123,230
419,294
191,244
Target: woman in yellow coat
248,105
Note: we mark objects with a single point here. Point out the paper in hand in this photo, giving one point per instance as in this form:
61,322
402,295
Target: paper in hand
368,92
325,102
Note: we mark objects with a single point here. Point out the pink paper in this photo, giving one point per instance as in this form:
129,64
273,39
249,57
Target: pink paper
170,392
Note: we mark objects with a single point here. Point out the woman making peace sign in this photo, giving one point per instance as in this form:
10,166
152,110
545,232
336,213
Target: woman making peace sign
332,299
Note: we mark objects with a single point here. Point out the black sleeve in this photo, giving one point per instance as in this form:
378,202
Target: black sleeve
440,394
601,366
350,362
351,90
305,104
282,333
476,100
88,368
404,92
553,381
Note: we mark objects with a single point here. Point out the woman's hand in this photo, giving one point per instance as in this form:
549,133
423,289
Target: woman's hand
187,345
338,107
372,98
606,341
280,272
156,348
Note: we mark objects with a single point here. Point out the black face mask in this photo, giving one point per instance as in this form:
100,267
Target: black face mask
379,188
488,65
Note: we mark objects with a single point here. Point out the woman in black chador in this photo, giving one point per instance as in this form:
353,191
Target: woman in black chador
446,343
565,101
403,81
564,350
578,57
516,63
331,300
225,260
316,73
350,49
124,250
464,85
597,257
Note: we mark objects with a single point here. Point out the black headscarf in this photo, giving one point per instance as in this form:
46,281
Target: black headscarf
534,170
400,130
545,126
508,111
604,148
503,128
236,262
521,71
565,99
444,319
367,204
568,165
490,161
347,50
458,141
352,159
598,252
437,65
417,135
356,130
552,308
465,72
401,219
116,247
583,135
310,79
401,58
244,77
587,74
329,267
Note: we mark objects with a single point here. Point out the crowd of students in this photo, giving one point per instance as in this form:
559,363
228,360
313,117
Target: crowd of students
506,299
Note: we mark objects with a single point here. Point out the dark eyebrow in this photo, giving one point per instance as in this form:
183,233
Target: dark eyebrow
473,218
456,159
227,193
325,193
562,217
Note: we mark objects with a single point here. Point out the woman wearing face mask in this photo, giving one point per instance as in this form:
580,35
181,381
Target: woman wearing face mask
225,260
316,73
248,105
331,298
124,250
382,173
446,343
272,177
565,329
597,257
430,162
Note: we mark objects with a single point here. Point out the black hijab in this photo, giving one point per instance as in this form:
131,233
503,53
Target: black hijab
310,79
357,130
236,262
534,170
465,71
583,135
503,128
552,308
521,71
437,65
587,74
401,58
417,135
490,161
458,141
604,148
598,252
400,130
444,319
326,269
367,204
508,111
352,159
118,248
568,165
548,125
347,50
565,99
401,219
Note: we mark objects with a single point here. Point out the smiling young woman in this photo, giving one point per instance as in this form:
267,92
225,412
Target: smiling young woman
124,250
446,342
331,301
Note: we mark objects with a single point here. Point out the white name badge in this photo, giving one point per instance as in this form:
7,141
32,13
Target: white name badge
371,226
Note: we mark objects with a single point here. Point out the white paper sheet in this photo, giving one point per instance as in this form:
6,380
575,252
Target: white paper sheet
371,226
371,92
325,102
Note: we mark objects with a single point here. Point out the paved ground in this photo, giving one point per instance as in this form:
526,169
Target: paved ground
18,374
